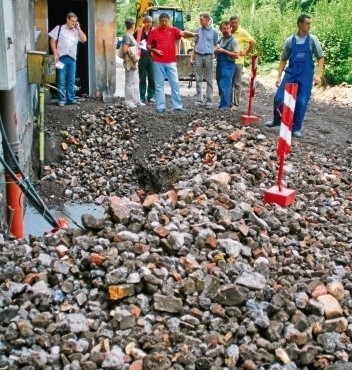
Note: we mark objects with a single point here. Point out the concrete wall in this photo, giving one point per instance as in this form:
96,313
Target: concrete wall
105,29
41,24
25,94
2,192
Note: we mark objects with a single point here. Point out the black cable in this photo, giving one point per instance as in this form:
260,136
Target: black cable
47,215
28,190
15,161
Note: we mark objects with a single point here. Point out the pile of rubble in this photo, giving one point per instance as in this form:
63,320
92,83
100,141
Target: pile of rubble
194,271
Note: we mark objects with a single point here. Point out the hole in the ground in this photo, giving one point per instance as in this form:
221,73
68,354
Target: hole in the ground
157,179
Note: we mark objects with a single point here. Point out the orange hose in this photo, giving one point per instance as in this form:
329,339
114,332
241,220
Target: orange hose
14,201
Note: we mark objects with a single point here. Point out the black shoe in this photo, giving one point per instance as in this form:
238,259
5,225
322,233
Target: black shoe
272,124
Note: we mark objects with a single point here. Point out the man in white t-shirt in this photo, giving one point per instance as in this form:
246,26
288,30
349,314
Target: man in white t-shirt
63,42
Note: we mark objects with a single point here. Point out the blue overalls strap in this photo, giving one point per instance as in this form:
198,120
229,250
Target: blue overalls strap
222,57
303,48
228,43
300,63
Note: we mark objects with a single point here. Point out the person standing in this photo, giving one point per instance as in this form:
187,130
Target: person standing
226,52
162,45
130,62
145,63
63,42
203,59
298,50
246,44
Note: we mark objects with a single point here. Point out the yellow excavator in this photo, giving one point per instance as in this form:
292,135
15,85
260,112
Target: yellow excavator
177,17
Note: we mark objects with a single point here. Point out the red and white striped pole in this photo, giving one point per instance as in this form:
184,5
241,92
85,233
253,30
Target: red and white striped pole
277,194
248,118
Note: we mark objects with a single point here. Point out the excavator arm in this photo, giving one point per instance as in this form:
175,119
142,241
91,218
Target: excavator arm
183,47
141,10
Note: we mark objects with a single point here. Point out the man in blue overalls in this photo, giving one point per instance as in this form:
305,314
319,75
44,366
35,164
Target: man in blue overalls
298,49
226,52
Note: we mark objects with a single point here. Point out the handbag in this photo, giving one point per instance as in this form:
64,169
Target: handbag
120,52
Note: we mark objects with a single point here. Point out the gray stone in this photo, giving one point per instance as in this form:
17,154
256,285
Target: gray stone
301,299
124,318
167,303
262,320
258,221
78,323
114,359
176,240
314,307
231,247
309,354
331,342
61,267
232,355
92,223
117,276
229,295
251,280
41,287
156,361
128,236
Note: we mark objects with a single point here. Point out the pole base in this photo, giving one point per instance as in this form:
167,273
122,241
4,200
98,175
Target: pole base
284,198
249,120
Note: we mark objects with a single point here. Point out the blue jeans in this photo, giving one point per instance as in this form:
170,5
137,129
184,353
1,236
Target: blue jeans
169,71
224,77
66,80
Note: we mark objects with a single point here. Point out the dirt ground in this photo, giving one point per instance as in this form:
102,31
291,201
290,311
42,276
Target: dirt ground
327,127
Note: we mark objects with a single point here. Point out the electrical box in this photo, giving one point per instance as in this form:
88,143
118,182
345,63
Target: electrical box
7,48
41,67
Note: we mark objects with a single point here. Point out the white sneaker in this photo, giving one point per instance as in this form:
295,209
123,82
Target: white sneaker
296,134
140,104
130,104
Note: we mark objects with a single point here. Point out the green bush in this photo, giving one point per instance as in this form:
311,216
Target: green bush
273,21
271,24
334,28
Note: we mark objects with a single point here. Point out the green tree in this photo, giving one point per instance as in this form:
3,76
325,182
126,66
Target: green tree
124,9
219,9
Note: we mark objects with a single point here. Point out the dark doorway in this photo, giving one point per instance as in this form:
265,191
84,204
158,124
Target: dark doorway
57,11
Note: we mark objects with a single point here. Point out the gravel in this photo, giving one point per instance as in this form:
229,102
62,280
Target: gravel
188,268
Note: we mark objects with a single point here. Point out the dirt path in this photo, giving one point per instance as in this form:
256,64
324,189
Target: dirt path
327,124
328,120
327,128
